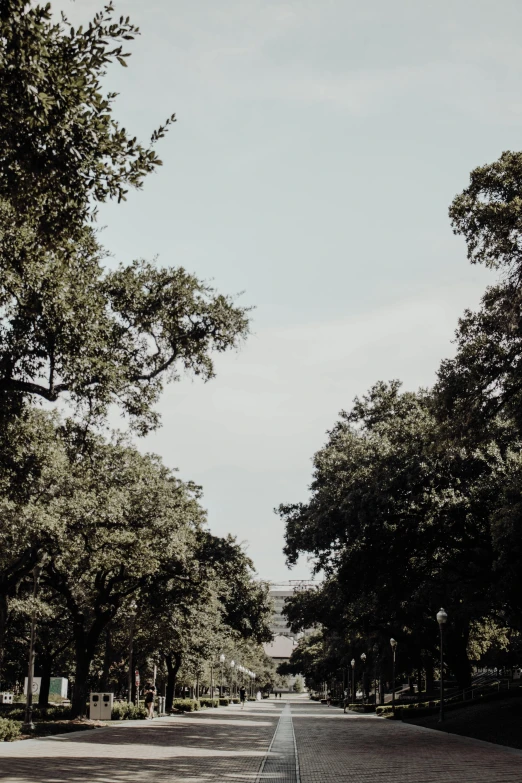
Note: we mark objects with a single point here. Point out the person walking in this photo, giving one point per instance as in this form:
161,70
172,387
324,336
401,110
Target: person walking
242,696
149,702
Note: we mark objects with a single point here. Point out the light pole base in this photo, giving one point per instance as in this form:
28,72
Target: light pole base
26,727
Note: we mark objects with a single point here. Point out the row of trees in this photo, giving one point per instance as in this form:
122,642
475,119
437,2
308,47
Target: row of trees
416,497
120,549
98,542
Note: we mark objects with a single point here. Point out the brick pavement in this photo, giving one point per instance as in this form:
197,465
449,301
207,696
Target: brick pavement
231,746
358,749
219,746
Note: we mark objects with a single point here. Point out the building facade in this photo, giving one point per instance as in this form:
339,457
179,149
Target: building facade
279,592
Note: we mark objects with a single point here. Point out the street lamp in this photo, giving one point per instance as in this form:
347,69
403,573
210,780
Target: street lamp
363,659
132,607
232,689
221,661
375,650
353,679
441,619
28,724
394,648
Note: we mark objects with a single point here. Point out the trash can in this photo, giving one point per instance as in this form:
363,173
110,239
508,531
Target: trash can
101,706
161,705
6,698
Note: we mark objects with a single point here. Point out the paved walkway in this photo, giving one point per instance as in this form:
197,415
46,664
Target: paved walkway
258,745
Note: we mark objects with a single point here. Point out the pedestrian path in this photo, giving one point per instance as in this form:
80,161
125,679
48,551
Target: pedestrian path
280,763
361,748
264,743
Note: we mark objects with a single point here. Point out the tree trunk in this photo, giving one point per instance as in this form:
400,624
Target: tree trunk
81,675
172,662
419,683
430,678
45,684
4,610
456,655
108,660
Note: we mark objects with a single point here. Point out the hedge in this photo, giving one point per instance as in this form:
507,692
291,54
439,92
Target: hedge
9,729
39,713
186,705
224,701
125,711
206,701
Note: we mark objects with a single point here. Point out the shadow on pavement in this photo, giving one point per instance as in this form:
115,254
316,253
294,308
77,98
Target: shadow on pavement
193,749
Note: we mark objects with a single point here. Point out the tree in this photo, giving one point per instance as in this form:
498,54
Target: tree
67,326
484,380
62,150
488,214
32,471
189,622
398,521
70,328
124,519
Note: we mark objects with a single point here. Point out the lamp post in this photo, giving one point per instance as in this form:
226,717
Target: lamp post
232,683
28,724
375,650
363,659
441,619
393,644
353,679
131,644
221,661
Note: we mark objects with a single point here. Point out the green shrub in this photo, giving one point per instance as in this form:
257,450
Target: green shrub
15,712
234,700
120,711
186,705
206,701
224,701
126,711
9,729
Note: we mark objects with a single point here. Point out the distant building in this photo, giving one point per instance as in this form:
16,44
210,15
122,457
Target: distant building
280,649
279,592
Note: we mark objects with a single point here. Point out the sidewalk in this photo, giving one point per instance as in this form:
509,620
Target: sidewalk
226,744
230,745
361,748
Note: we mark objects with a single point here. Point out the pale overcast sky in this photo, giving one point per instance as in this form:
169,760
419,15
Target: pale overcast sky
317,149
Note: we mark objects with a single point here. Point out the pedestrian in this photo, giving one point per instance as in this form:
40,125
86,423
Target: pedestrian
258,696
149,701
242,696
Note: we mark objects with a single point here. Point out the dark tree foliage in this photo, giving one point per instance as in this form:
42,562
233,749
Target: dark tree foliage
484,380
398,521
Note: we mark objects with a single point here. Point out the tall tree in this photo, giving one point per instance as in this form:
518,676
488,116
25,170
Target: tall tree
124,519
67,326
484,380
398,520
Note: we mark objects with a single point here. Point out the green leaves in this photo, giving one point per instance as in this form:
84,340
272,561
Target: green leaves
62,149
488,213
69,327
